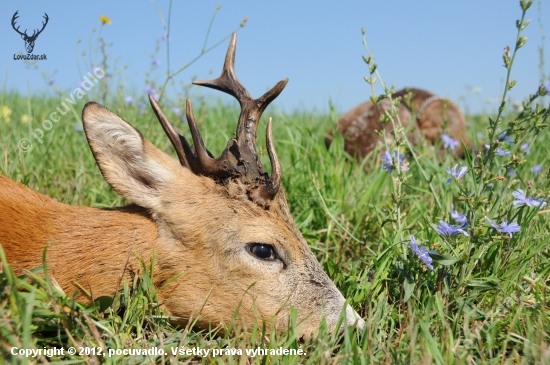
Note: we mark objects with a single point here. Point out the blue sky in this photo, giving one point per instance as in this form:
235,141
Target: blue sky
446,47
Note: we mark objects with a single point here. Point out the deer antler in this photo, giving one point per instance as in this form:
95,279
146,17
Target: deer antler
251,110
239,159
13,19
177,140
34,34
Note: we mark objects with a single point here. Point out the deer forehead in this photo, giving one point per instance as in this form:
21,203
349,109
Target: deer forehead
228,212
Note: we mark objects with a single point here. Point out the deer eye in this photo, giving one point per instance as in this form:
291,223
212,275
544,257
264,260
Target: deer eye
262,251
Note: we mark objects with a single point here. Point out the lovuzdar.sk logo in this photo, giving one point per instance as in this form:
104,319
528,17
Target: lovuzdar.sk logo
29,40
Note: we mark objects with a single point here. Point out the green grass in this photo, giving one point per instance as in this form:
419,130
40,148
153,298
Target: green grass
485,302
492,306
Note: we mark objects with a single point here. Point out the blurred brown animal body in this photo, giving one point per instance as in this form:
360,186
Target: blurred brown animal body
432,112
223,223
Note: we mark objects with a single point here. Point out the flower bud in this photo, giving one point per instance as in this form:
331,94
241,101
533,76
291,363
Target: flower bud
506,57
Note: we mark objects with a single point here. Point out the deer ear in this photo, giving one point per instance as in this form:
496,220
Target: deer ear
130,164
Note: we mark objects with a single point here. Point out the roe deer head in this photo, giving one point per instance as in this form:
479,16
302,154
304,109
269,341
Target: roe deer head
222,222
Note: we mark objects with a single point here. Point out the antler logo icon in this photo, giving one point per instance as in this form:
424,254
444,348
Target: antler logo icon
29,40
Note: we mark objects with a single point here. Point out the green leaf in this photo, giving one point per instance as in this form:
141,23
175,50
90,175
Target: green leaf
432,344
444,259
487,283
306,221
104,302
408,284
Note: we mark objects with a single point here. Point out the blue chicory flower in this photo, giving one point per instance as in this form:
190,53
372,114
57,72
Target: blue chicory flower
78,127
536,169
525,148
456,174
150,91
505,227
522,199
546,85
458,217
499,152
390,164
505,137
422,252
448,142
446,229
156,62
176,110
129,100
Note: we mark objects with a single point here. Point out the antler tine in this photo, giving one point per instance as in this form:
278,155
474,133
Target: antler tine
228,82
276,171
13,20
44,23
177,140
263,194
205,165
35,34
269,96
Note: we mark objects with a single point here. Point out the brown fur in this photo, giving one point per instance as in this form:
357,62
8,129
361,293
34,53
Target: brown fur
360,123
194,225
